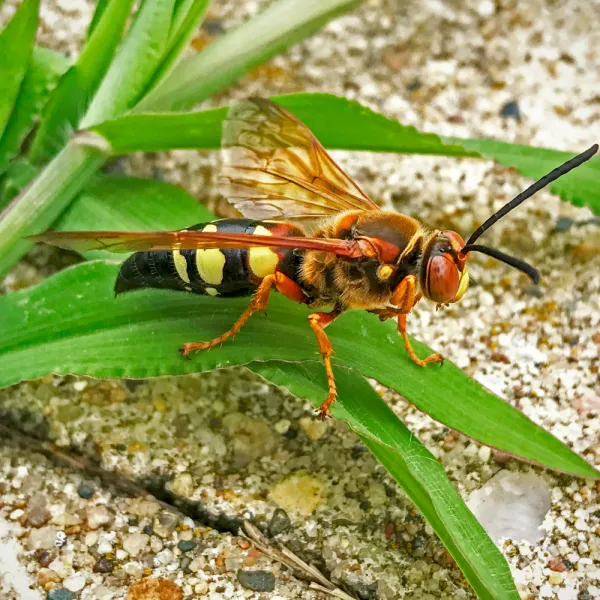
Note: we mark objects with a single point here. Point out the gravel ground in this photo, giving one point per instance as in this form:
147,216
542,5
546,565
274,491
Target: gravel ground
234,447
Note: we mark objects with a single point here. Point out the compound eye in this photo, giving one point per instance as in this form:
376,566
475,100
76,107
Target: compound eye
443,278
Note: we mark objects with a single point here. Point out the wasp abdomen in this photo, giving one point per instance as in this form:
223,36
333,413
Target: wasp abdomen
214,272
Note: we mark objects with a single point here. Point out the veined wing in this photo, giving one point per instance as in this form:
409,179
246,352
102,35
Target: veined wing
119,241
274,167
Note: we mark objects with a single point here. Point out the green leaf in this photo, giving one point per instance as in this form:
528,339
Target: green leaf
73,95
16,46
44,72
72,323
135,63
580,186
188,16
346,125
126,204
417,471
98,12
279,26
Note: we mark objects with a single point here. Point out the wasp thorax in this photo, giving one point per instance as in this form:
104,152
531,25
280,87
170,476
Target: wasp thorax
444,272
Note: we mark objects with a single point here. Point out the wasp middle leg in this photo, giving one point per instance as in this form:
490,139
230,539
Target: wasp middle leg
318,321
259,303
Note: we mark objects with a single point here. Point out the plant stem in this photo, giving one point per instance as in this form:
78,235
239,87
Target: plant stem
37,207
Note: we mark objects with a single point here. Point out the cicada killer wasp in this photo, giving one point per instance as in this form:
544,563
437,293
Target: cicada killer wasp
308,231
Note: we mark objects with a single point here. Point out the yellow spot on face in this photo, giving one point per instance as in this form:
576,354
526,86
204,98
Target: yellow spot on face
181,265
263,261
210,262
211,291
384,272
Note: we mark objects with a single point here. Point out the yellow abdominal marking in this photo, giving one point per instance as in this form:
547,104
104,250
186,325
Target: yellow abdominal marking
211,291
263,261
210,262
181,265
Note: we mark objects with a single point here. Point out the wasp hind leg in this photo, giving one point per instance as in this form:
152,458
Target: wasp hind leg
259,303
318,321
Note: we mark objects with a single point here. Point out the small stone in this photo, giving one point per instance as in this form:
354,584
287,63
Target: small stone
186,546
584,595
37,513
557,565
185,565
313,428
556,578
280,522
98,516
201,588
46,577
198,564
43,538
75,583
165,557
45,557
511,110
258,581
165,524
133,570
154,589
103,565
59,594
183,485
298,492
134,543
282,426
86,491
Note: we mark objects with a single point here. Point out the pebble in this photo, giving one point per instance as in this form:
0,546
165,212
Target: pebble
98,516
103,565
86,491
134,543
37,512
75,583
511,110
186,546
59,594
42,538
183,485
258,581
154,589
280,522
298,492
313,428
164,525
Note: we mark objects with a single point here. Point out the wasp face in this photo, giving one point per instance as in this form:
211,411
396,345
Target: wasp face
444,276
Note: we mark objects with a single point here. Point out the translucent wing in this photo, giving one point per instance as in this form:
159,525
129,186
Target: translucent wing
119,241
274,168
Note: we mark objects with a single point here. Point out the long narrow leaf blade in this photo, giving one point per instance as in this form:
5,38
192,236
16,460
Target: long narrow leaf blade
73,95
418,472
346,125
280,25
187,19
135,63
16,46
72,323
45,69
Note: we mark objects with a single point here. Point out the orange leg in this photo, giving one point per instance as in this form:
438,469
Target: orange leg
283,284
318,321
404,298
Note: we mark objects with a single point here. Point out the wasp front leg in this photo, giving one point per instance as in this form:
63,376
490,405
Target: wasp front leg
318,321
404,298
283,285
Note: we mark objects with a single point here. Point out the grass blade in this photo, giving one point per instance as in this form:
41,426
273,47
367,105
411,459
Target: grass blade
73,95
417,471
280,25
135,63
44,71
16,46
19,173
187,19
98,12
72,324
346,125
